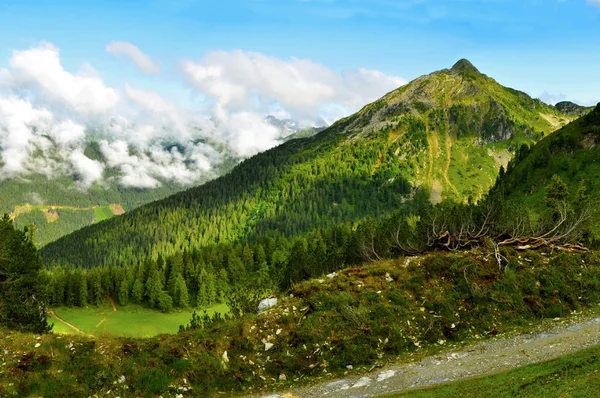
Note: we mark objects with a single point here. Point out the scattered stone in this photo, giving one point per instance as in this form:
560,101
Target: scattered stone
282,377
266,304
37,345
332,275
388,374
268,346
388,278
225,357
362,382
349,367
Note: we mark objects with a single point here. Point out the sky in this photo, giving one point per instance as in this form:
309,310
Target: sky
151,69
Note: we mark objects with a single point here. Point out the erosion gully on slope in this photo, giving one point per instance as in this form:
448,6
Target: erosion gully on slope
488,357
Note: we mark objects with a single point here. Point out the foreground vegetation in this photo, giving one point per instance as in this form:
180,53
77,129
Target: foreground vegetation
355,317
575,375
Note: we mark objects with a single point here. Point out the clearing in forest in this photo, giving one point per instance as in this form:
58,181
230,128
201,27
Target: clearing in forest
128,321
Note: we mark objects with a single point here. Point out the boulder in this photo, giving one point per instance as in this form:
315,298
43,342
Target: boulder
266,304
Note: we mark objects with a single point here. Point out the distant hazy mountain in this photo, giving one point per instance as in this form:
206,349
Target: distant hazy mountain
290,128
571,108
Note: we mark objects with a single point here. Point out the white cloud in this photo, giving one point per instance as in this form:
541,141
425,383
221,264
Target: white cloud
17,140
248,80
40,71
144,62
47,112
594,2
146,169
89,171
550,98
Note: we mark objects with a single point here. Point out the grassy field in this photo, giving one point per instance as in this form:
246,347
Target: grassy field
55,221
575,375
129,321
103,213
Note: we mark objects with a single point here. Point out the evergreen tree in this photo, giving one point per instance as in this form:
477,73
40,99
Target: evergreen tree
153,288
137,291
22,302
180,293
123,295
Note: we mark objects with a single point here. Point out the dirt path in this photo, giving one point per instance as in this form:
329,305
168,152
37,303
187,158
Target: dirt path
53,313
114,309
113,303
492,356
116,208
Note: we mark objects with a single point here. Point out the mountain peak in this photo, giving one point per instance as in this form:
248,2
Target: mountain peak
464,66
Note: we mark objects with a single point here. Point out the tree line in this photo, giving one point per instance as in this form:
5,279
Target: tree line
244,272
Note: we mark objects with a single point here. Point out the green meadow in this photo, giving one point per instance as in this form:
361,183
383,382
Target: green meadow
129,321
103,213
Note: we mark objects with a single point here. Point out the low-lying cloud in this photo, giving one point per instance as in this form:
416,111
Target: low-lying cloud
239,80
48,115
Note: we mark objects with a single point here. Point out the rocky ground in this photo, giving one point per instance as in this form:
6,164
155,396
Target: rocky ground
494,355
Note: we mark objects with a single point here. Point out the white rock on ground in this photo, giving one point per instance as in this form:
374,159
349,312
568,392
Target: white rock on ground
266,304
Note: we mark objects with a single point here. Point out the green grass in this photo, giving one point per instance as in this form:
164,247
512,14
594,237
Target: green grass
575,375
129,321
472,170
103,213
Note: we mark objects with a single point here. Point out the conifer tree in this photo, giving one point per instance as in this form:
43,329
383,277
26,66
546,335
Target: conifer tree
22,302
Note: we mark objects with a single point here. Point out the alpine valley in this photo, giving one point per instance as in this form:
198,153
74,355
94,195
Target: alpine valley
447,224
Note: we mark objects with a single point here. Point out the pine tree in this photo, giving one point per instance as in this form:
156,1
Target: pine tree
82,289
137,291
154,288
123,296
22,303
180,293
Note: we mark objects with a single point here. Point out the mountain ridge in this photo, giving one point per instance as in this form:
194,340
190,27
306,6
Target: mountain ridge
443,136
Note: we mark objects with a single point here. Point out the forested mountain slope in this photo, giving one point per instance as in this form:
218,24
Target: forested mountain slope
444,135
572,153
60,204
58,207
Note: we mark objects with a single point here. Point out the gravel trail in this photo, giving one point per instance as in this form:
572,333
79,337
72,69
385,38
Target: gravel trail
488,357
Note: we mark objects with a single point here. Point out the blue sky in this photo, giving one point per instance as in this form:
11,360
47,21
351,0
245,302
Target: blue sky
534,45
204,74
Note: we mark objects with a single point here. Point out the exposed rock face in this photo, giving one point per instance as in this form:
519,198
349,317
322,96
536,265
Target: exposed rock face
571,108
496,125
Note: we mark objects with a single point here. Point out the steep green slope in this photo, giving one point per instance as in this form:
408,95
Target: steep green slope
572,153
444,135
